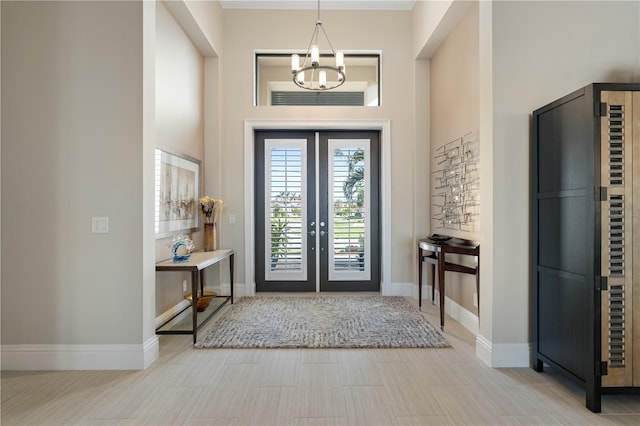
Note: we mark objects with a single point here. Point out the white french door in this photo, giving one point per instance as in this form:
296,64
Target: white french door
317,203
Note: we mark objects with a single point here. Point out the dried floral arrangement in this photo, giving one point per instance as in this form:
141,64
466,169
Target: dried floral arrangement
211,208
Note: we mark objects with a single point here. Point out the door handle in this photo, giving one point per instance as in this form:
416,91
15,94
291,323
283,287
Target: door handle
313,233
323,233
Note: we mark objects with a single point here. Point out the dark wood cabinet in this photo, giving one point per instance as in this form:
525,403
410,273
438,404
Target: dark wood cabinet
585,238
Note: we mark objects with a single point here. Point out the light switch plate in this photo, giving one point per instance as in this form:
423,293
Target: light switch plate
100,225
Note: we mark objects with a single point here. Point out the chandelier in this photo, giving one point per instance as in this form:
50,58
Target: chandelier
311,75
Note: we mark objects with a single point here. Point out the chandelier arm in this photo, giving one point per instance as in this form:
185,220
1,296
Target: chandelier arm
328,41
314,37
308,85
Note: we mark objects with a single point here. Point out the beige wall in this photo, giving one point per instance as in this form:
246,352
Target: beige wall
71,150
246,31
207,31
427,16
432,23
530,53
75,106
179,108
79,94
540,52
455,104
422,155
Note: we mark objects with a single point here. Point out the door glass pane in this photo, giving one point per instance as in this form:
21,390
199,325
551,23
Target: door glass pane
349,199
285,207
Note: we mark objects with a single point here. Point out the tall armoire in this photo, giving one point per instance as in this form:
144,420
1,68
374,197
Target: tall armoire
585,238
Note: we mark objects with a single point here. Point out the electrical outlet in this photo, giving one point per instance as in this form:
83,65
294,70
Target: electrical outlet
475,299
184,285
232,219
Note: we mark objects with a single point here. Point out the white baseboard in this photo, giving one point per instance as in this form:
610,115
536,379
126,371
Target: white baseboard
483,349
466,318
150,351
171,312
399,289
453,309
462,315
239,291
494,355
80,357
503,355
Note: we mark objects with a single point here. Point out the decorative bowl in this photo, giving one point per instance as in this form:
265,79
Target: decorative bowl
203,301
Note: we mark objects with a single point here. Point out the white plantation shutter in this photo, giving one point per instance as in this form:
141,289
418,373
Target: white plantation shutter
285,209
349,226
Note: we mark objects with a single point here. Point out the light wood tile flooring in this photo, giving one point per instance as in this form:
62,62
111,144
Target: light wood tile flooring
308,387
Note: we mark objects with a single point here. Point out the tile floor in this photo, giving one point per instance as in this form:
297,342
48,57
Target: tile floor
188,386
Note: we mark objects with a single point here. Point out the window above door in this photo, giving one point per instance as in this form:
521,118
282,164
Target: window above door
274,84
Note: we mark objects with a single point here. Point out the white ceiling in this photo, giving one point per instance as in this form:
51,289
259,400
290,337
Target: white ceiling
324,4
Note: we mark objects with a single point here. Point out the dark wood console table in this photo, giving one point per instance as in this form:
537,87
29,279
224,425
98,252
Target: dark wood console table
437,247
198,262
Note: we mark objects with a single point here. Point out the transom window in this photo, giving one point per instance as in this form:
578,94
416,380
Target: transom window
274,84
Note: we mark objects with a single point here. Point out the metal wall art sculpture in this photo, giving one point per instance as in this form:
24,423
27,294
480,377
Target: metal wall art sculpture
456,184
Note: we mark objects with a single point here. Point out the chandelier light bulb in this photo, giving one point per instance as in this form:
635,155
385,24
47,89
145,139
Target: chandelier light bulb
339,60
322,79
300,77
315,55
295,62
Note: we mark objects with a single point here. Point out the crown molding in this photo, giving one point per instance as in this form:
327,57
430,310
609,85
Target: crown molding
325,5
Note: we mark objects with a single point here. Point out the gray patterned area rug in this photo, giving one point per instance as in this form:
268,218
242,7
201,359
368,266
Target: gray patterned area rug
322,322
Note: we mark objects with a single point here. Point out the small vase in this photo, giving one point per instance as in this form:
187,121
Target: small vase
209,236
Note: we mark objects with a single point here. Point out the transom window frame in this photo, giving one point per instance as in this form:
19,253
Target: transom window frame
347,86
